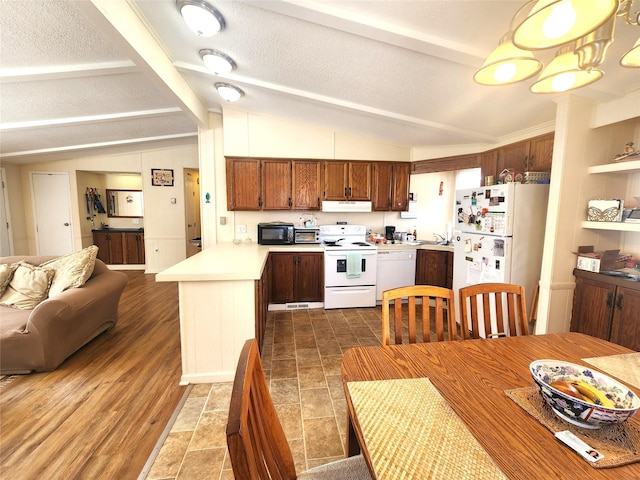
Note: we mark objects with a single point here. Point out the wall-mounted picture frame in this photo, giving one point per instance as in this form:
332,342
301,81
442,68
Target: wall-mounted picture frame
161,177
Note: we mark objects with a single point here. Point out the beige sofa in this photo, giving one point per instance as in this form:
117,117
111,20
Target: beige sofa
42,338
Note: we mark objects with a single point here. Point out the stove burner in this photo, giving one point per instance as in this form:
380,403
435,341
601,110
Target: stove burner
361,244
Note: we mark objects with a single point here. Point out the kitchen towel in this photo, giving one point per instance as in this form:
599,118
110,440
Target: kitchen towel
354,265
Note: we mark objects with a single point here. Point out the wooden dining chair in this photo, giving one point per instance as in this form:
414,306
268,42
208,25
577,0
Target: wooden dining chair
442,312
256,441
493,310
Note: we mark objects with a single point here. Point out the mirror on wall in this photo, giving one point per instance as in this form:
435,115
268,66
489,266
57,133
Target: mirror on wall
124,203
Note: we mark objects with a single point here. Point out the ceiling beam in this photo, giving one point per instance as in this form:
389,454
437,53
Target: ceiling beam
21,126
59,72
122,24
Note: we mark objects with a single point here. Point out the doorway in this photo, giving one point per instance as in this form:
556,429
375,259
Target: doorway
192,210
52,213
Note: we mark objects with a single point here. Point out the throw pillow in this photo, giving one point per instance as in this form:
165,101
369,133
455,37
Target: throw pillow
71,270
28,287
6,274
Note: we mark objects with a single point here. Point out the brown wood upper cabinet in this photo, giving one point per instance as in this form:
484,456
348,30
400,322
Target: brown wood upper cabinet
391,186
533,155
273,184
306,184
276,185
243,184
347,180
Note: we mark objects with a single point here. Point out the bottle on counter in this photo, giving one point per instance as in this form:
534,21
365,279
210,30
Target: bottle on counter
415,234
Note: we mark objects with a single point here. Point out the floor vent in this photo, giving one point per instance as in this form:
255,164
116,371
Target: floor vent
294,306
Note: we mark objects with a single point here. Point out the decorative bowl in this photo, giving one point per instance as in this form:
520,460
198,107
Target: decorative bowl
578,411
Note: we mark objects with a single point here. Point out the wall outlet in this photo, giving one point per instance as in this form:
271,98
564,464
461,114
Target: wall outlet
242,229
136,221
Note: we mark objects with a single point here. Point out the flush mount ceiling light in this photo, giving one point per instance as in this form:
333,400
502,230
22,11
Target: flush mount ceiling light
200,17
217,62
582,28
228,92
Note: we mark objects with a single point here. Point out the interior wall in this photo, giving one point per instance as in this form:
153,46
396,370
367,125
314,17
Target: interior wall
164,220
577,146
246,134
18,227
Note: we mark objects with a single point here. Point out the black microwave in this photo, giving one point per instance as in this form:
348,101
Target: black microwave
277,233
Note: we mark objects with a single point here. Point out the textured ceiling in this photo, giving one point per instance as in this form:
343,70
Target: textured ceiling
73,80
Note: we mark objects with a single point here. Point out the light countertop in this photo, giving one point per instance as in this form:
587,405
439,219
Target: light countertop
227,261
246,261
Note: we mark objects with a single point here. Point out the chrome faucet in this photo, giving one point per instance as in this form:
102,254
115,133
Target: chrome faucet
440,240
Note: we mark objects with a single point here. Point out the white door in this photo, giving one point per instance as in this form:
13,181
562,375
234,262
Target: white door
6,243
52,213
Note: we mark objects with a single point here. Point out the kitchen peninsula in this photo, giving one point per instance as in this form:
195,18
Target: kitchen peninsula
221,293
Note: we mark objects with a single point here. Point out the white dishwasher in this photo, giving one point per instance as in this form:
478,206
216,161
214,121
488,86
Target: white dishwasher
396,268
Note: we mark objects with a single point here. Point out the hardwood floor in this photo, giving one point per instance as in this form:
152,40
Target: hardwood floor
100,414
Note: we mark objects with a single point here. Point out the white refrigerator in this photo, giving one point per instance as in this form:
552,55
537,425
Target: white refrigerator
499,235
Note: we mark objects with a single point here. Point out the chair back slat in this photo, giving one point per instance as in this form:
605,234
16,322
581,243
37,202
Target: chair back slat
502,312
257,445
418,297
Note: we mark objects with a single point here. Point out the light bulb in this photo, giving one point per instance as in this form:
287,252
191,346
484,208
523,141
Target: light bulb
561,19
504,73
563,82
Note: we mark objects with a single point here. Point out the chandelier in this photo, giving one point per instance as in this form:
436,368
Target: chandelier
580,29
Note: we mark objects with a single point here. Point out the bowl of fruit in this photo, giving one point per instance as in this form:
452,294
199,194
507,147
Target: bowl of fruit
582,396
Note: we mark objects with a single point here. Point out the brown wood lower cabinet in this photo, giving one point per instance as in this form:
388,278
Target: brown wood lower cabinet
607,307
297,277
262,302
120,247
434,267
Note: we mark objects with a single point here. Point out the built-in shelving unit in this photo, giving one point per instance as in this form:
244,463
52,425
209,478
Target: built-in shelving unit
617,226
619,167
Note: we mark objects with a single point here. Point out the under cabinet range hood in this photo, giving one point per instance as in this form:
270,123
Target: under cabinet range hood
346,206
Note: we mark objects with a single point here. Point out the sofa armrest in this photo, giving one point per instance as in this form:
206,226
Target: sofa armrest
70,319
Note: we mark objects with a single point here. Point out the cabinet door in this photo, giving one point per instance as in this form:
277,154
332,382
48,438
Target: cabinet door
282,277
306,184
309,277
592,308
276,185
243,184
116,248
540,154
359,182
400,187
101,241
449,270
625,325
431,268
134,248
489,166
335,180
514,156
382,186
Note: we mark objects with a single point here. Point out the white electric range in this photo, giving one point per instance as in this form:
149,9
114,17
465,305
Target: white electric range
350,266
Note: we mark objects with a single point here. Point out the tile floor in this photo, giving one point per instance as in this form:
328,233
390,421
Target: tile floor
301,357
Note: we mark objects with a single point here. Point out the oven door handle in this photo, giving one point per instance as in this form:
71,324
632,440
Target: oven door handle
343,254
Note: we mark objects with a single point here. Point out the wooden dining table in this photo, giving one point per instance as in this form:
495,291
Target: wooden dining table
472,377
